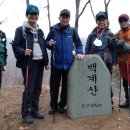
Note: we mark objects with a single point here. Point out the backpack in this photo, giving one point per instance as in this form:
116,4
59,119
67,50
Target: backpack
12,43
3,50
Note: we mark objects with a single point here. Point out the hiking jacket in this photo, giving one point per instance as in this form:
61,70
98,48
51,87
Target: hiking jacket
4,41
62,55
106,51
125,36
21,42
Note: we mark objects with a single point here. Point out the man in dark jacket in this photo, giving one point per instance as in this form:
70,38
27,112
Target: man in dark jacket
60,41
30,51
99,42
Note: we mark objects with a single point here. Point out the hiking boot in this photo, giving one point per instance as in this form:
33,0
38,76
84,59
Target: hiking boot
38,115
61,110
52,111
124,105
28,119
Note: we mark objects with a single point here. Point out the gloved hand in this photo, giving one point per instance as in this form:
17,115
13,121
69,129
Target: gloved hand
113,43
126,47
120,43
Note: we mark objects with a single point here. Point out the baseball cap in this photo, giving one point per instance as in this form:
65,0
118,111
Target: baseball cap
32,9
101,14
123,17
65,12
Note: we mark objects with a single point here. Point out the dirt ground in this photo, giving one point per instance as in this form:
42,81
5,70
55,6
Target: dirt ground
10,117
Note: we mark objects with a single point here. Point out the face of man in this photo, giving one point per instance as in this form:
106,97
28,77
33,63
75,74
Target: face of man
102,23
32,18
124,23
64,20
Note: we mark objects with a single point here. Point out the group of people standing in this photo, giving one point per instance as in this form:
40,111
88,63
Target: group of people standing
30,49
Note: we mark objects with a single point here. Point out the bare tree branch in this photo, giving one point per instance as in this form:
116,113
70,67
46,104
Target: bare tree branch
104,2
83,9
48,9
92,9
77,12
77,8
106,8
108,2
2,2
3,21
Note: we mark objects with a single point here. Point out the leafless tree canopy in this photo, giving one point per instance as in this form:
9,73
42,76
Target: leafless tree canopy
77,16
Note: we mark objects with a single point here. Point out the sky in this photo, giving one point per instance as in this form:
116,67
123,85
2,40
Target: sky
14,12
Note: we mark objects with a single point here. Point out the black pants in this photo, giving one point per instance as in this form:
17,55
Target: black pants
32,91
125,85
55,78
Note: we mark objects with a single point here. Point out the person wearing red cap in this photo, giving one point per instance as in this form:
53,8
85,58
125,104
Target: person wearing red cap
124,35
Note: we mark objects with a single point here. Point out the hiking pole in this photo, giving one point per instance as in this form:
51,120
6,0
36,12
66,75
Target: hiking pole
54,117
128,77
52,58
26,77
119,87
27,67
119,95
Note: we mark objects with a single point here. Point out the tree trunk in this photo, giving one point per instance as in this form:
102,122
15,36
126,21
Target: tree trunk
48,9
27,2
77,13
106,4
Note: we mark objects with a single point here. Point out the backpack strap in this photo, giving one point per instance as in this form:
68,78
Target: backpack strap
22,28
73,36
72,31
52,30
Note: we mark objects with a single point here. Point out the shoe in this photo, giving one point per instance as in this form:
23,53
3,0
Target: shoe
52,111
125,105
61,110
28,119
38,115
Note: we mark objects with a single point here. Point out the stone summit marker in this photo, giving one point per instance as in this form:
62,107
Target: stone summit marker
89,91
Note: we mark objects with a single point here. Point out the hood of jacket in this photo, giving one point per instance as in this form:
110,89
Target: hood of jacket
33,30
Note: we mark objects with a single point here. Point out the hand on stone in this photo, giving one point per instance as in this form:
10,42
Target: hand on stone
79,56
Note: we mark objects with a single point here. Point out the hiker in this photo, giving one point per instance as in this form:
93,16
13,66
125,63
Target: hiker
3,54
99,43
123,36
30,50
61,40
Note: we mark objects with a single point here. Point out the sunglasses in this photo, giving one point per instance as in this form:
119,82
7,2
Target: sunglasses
121,20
